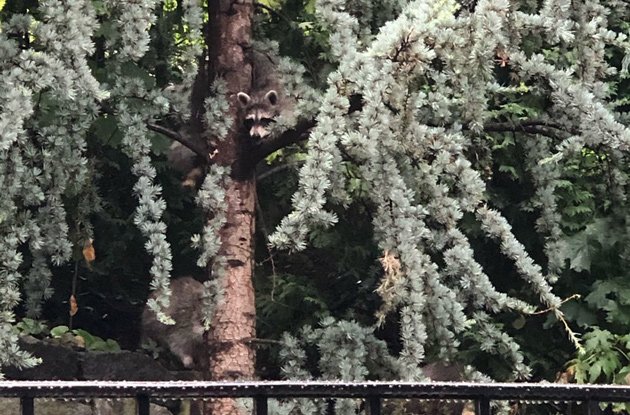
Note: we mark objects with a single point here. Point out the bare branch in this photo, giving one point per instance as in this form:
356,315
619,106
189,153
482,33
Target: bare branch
301,132
196,146
263,341
292,136
531,127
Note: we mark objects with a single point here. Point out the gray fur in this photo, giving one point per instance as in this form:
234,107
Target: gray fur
440,372
184,339
185,161
263,104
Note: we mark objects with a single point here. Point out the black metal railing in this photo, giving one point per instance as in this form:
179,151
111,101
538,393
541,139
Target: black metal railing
372,392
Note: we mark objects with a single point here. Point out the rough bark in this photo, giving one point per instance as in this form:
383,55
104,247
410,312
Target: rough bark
230,354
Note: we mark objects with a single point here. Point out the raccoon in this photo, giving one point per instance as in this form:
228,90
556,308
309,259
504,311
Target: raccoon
263,104
184,339
440,372
186,162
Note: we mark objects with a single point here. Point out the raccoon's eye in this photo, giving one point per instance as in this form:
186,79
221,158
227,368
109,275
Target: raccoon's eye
266,121
249,122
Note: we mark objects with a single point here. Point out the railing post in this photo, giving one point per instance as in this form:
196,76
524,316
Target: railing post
592,407
482,406
375,405
28,405
330,407
260,403
143,404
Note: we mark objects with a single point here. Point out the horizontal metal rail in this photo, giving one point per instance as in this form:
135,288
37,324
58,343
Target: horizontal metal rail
315,389
372,392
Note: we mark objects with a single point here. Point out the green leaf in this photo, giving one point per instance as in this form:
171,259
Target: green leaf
504,141
577,210
29,326
100,8
519,323
579,313
594,371
563,184
611,296
514,108
578,252
133,70
510,170
309,7
598,339
583,195
610,364
581,371
602,230
169,5
112,345
96,343
622,377
106,130
89,338
598,297
59,331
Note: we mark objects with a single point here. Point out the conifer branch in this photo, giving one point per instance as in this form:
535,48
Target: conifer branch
195,146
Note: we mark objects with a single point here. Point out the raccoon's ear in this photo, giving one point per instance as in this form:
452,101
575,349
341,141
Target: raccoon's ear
243,99
272,97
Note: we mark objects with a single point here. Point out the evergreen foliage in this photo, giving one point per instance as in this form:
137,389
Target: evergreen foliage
429,86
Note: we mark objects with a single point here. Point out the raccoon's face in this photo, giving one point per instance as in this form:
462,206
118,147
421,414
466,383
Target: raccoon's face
259,112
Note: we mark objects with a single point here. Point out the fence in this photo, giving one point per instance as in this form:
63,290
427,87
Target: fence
372,392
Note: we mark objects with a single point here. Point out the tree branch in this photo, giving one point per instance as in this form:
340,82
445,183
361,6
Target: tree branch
301,132
263,148
292,136
196,147
531,127
263,341
276,169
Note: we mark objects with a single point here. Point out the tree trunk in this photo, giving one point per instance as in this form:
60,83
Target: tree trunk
228,340
230,354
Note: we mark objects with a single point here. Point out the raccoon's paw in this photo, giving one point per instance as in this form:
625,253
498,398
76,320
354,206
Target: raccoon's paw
189,183
193,178
187,361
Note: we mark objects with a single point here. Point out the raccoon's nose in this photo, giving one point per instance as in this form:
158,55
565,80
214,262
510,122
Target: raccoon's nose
258,132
